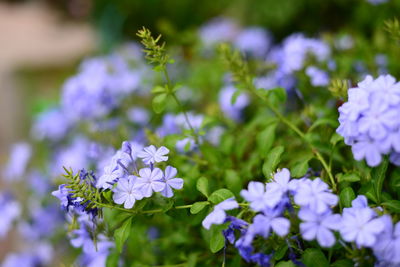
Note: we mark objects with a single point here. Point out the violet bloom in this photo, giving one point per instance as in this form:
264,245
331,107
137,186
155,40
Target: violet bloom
360,225
232,110
19,158
263,224
279,186
256,196
171,181
315,195
63,195
151,154
369,149
387,246
126,193
10,210
150,181
319,226
52,125
109,177
318,77
253,40
218,215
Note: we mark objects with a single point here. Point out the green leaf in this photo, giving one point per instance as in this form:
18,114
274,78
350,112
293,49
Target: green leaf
112,259
324,121
346,197
348,177
285,264
378,175
233,181
235,96
220,195
280,252
299,169
266,138
277,95
198,206
159,102
369,191
217,240
108,195
392,205
202,185
335,138
272,160
122,234
314,257
343,263
159,90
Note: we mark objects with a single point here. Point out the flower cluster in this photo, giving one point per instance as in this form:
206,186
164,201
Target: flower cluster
279,202
369,120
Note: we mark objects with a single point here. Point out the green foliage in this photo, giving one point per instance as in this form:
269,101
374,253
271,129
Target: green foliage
314,257
272,160
220,195
122,234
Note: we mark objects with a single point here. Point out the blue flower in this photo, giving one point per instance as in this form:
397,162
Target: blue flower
256,196
318,77
232,110
10,210
387,246
62,194
51,124
151,154
126,192
369,119
254,41
360,225
315,195
19,158
218,215
319,226
150,181
171,181
270,220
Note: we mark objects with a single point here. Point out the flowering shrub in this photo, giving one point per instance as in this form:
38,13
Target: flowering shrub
247,152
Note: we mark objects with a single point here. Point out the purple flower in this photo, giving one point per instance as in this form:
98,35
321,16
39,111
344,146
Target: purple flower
253,40
280,185
387,246
315,195
218,215
63,195
126,192
318,77
359,224
171,181
10,210
149,181
51,124
264,223
319,226
256,196
151,154
218,30
232,110
109,177
369,120
19,158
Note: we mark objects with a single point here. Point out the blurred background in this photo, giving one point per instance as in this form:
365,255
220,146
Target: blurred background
43,41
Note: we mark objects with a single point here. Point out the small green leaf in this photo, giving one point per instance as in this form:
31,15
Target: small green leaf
378,175
277,95
348,177
335,138
346,197
392,205
202,185
108,195
220,195
280,252
112,259
323,122
343,263
233,181
159,102
266,138
158,90
299,169
217,240
314,257
272,160
122,234
285,264
198,206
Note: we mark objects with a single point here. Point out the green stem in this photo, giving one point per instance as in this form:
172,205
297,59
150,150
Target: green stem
169,85
299,133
